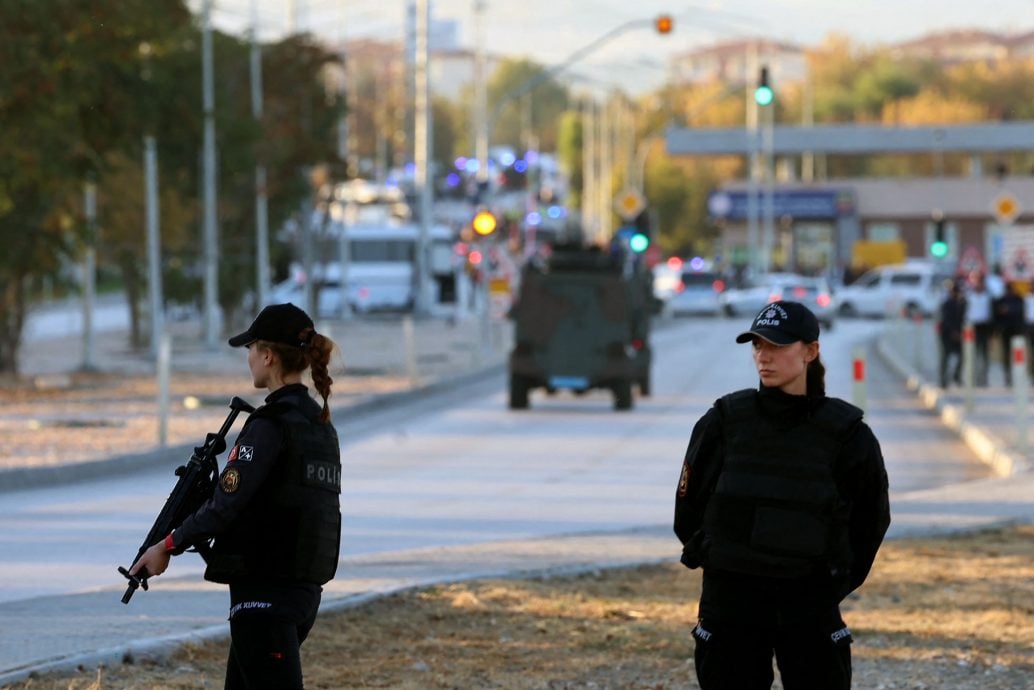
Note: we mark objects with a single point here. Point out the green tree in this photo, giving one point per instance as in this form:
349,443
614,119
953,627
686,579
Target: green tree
70,93
524,100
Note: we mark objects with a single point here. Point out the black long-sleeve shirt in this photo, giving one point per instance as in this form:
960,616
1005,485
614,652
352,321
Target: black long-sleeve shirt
859,471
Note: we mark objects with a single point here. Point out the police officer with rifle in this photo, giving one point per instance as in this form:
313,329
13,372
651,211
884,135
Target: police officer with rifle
783,502
270,527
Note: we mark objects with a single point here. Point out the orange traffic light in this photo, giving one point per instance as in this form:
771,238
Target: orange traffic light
664,24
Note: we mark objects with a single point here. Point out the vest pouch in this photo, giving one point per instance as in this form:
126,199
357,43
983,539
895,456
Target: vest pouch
224,568
789,532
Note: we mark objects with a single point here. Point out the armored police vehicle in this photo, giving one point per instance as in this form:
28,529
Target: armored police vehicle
582,322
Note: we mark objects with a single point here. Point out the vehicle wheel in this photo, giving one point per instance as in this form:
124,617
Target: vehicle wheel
518,392
847,309
644,385
827,324
912,310
729,311
623,395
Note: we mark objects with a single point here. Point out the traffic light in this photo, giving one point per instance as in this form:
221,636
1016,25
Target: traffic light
484,223
939,246
642,230
763,94
664,24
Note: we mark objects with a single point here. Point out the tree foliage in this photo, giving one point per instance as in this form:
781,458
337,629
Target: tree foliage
83,83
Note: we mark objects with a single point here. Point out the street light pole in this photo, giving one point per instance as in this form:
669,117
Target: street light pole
422,154
262,279
481,94
211,239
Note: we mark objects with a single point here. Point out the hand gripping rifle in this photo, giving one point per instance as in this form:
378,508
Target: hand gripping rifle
197,480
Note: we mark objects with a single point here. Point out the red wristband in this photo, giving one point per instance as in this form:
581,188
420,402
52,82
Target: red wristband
169,545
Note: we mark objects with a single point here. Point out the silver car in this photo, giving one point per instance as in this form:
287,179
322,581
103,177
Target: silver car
815,293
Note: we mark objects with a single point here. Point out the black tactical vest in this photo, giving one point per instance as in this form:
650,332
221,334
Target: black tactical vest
291,530
776,510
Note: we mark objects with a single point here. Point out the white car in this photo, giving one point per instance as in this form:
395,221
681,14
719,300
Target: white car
815,293
910,288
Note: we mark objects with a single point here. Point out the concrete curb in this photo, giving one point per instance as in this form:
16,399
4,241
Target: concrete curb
990,449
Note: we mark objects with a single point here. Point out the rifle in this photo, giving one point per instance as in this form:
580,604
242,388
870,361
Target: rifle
197,480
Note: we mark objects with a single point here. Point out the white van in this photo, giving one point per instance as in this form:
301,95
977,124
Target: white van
911,288
381,267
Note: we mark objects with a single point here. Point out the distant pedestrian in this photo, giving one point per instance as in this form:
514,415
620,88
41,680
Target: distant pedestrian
979,313
783,502
1009,322
275,515
950,322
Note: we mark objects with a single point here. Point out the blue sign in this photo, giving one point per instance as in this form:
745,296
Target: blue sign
823,204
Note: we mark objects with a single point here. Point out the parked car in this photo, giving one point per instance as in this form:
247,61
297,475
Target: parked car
814,292
696,292
913,288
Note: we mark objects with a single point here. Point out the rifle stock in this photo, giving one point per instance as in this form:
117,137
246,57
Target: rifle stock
196,484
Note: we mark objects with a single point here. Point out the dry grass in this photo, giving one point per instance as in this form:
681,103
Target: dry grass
937,613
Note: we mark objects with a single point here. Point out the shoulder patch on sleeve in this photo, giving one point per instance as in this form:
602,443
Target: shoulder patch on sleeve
230,480
241,453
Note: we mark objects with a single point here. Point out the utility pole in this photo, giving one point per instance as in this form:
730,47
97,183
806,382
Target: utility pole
89,274
588,169
751,64
606,168
262,279
154,260
422,154
480,96
211,237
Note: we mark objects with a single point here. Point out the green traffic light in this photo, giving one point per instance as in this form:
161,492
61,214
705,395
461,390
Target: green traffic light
763,95
639,242
939,249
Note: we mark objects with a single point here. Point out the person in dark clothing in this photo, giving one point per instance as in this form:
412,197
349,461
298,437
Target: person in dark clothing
275,516
1009,321
950,322
783,501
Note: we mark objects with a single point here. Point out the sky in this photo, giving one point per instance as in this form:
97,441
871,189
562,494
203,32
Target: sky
549,31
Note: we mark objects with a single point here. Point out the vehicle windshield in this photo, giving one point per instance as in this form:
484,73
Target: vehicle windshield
699,279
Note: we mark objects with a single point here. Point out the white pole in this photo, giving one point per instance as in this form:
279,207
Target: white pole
753,163
1020,386
606,166
859,391
409,340
211,238
480,96
262,279
154,262
164,365
89,274
422,153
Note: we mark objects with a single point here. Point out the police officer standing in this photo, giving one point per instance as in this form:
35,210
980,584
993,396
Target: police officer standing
275,516
783,502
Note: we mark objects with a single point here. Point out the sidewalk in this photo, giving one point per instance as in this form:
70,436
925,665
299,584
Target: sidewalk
78,424
989,430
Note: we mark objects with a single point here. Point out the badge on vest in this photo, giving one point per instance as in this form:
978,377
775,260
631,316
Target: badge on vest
230,480
322,475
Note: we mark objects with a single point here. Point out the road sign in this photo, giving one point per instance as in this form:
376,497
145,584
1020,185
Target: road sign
1005,208
1017,259
629,203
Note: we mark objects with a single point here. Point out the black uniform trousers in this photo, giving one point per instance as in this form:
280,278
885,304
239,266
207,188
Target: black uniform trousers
268,624
741,629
